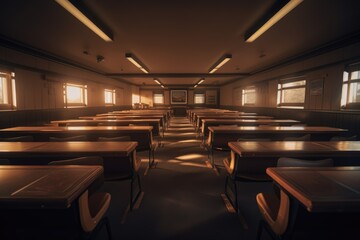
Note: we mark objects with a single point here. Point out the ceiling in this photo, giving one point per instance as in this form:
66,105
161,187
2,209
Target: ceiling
179,40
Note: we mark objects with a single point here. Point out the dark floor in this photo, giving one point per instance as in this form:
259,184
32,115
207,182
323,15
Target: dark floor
182,195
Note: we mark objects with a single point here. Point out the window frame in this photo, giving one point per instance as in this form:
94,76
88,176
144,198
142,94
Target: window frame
113,97
203,97
84,101
345,104
9,91
281,88
245,92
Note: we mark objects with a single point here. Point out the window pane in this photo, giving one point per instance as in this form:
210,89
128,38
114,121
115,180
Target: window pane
249,96
296,95
3,91
109,96
75,94
345,76
199,98
344,94
355,75
294,84
354,93
159,98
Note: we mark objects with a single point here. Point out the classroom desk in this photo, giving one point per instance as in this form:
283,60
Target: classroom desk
44,187
155,123
163,120
41,202
240,115
200,118
322,199
140,134
32,153
255,157
335,189
207,122
219,136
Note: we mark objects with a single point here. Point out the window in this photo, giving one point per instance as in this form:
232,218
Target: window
158,98
291,93
248,96
7,90
75,95
350,97
109,97
199,98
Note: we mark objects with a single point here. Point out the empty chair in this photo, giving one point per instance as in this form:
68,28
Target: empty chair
66,139
18,139
306,137
274,207
344,138
92,210
275,214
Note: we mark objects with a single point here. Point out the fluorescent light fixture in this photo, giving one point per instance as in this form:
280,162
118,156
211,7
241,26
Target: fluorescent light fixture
195,86
162,86
136,62
73,7
157,81
201,81
278,11
220,63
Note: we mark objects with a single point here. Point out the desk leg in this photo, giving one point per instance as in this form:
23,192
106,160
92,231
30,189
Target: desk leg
231,194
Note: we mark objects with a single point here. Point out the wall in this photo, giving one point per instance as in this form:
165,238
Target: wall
319,109
39,89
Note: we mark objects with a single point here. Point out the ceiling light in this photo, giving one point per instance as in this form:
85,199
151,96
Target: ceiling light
162,86
278,11
195,86
136,62
157,81
221,62
201,81
74,7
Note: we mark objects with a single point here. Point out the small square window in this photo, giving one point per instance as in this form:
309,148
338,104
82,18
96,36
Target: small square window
199,98
109,97
75,95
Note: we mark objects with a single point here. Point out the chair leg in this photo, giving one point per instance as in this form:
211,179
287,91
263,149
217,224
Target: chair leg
108,228
133,199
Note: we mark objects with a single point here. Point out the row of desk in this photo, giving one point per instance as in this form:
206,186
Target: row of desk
30,184
334,190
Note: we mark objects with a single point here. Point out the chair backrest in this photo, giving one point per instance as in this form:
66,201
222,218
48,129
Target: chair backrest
279,222
115,139
306,137
18,139
344,138
66,139
294,162
89,160
92,209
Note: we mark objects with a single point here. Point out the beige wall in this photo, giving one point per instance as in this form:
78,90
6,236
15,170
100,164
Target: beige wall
39,82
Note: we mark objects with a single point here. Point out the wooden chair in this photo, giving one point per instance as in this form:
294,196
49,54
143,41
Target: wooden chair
274,207
92,204
18,139
68,139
